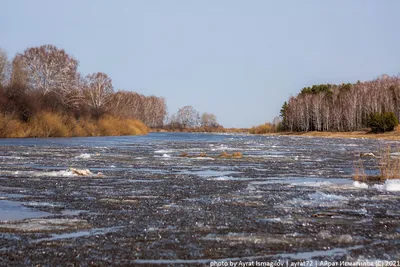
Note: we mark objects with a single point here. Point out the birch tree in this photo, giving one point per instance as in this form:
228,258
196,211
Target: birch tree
97,92
5,68
188,117
48,69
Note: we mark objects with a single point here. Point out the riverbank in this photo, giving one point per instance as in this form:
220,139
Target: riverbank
394,135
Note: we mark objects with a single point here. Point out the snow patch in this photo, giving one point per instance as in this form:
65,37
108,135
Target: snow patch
163,151
360,185
392,185
64,173
84,156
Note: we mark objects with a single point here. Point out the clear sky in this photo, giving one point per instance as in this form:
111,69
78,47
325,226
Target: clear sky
238,59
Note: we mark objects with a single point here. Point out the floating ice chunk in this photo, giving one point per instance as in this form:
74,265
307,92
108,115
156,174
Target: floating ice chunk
163,151
163,156
65,173
222,178
71,172
326,197
391,185
368,154
360,185
314,184
80,172
34,204
345,239
380,187
84,156
324,234
271,220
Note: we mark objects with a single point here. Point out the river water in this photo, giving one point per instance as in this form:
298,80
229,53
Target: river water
153,200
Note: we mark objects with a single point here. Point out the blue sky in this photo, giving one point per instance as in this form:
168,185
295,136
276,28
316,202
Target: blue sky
237,59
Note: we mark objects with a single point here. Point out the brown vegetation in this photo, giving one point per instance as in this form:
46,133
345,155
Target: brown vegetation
47,124
42,94
263,129
387,163
394,135
236,155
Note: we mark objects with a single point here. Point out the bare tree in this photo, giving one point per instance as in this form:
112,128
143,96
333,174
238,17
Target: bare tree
188,117
97,92
48,69
5,68
209,120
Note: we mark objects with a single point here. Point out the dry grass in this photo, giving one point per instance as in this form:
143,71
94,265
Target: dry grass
359,171
47,124
388,165
394,135
236,155
263,129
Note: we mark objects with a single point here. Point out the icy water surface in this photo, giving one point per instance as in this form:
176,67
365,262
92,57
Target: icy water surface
288,198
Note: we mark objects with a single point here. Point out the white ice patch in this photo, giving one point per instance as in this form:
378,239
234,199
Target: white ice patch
163,156
84,156
65,173
203,158
163,151
314,184
319,199
326,197
224,147
391,185
229,178
360,185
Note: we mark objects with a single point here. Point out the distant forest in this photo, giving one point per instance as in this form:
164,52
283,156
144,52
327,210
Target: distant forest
344,107
43,94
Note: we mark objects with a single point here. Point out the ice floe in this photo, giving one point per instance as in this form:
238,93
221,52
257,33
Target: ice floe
360,184
163,151
391,185
84,156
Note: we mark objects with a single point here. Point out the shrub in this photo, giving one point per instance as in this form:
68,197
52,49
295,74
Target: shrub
263,129
46,124
382,122
388,165
112,126
12,127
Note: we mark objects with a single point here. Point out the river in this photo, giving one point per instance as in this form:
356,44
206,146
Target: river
169,199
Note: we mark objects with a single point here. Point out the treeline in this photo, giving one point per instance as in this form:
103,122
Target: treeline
188,119
43,94
344,107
